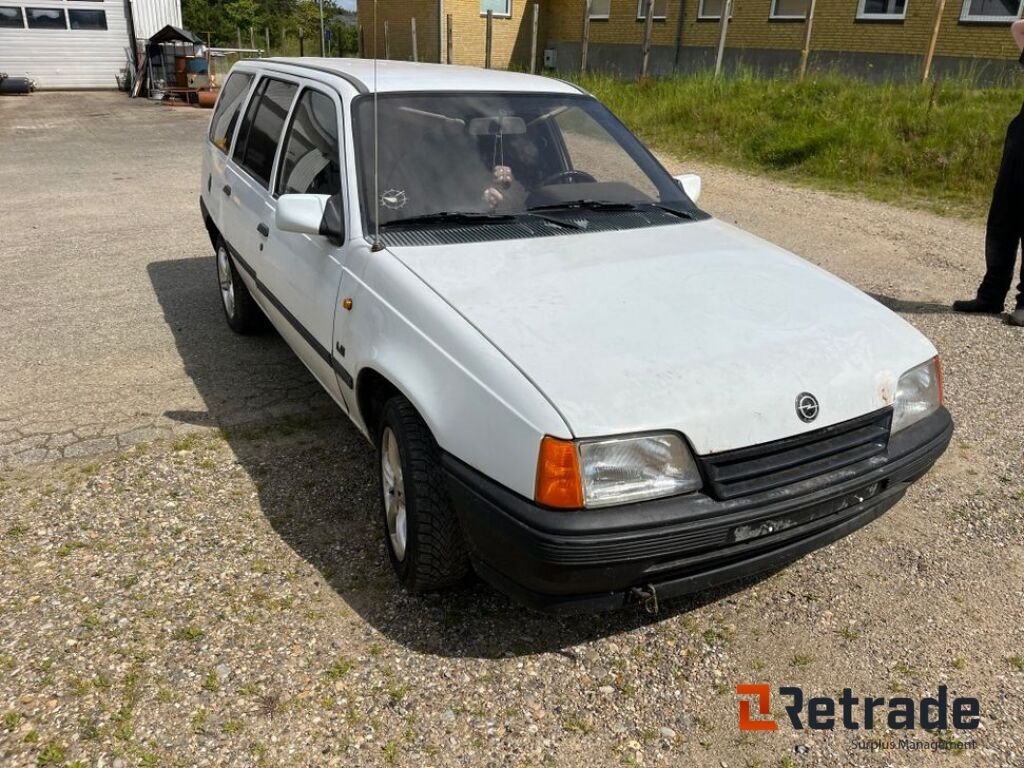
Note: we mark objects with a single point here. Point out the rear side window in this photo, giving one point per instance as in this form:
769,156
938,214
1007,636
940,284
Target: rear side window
11,17
46,18
222,127
261,129
311,162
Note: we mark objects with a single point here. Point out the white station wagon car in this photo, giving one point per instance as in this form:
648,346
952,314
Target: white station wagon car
579,384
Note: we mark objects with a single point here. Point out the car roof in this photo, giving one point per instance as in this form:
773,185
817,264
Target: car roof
407,76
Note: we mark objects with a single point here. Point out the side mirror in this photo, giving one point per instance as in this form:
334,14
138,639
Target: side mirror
691,184
312,215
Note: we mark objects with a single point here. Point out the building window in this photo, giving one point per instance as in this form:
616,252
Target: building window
87,19
600,9
993,11
497,7
660,9
789,9
882,10
46,18
712,9
11,17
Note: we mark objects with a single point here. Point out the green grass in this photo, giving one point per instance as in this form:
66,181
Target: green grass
936,146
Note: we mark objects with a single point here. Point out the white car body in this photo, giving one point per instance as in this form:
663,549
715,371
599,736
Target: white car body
696,328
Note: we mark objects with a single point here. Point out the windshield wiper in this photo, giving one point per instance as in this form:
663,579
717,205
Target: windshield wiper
448,217
603,205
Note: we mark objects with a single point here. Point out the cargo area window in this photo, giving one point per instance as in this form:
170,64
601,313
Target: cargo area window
46,18
882,10
87,19
261,130
11,17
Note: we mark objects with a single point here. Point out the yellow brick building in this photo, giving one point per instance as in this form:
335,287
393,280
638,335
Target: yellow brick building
873,38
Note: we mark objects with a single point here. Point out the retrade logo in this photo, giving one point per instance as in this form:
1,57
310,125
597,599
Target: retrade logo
807,407
763,695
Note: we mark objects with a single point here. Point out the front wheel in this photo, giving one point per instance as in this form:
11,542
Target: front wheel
240,309
422,533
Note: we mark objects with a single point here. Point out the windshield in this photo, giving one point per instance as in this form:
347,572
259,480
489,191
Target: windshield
501,155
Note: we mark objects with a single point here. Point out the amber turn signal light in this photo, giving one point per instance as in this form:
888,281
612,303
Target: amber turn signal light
558,475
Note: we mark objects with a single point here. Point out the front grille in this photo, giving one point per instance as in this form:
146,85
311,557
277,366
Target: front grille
747,471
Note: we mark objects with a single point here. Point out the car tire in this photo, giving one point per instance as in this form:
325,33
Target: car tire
421,530
240,308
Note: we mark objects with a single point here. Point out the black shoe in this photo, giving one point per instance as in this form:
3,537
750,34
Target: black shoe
978,307
1016,317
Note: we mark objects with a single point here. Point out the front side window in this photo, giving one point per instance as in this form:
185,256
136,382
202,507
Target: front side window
311,161
222,127
511,155
660,9
87,19
789,9
882,10
46,18
11,17
995,11
261,130
497,7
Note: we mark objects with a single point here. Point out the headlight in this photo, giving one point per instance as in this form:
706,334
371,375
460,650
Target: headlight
627,469
918,394
620,470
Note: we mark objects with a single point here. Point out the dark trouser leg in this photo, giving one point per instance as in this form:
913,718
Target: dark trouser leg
1005,228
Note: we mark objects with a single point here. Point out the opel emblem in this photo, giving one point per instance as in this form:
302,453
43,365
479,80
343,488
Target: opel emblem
807,407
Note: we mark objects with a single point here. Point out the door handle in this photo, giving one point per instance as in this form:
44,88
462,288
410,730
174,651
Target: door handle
227,190
263,229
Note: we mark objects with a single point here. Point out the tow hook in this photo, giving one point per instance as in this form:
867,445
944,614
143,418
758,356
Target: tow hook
647,596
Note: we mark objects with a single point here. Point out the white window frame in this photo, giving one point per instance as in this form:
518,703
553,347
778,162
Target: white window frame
640,16
601,16
785,17
714,17
862,16
966,15
498,14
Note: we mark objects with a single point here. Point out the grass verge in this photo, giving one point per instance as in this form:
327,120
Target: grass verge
935,146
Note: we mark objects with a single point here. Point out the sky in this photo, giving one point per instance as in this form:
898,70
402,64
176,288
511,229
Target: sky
348,5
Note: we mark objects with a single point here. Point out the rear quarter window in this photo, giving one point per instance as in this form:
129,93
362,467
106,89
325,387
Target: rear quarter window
225,117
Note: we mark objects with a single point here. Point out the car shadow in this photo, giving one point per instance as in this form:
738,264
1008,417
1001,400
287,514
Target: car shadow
316,479
906,307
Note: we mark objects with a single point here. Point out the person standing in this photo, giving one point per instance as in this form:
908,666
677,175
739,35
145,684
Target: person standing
1005,230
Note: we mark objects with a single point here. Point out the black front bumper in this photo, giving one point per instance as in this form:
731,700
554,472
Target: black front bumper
593,560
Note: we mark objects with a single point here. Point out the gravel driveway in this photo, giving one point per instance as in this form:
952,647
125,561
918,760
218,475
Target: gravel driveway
191,571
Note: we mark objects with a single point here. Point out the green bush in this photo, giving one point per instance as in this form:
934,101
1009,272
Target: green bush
936,145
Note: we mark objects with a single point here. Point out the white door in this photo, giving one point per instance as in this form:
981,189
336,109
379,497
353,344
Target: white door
303,273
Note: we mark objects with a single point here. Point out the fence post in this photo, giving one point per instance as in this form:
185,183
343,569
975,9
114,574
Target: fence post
361,41
415,51
387,42
302,42
930,55
585,45
805,53
266,34
489,40
533,40
239,31
448,52
252,38
645,61
283,49
723,31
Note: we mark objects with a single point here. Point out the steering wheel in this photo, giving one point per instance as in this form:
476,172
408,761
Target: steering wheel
571,176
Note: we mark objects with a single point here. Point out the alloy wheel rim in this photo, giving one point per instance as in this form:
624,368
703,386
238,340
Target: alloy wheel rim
394,493
227,283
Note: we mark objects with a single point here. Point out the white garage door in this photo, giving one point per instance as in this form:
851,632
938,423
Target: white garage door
64,43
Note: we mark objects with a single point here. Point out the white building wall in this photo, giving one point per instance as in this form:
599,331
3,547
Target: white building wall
60,59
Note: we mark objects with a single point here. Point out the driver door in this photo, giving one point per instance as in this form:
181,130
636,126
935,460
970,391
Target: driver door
303,273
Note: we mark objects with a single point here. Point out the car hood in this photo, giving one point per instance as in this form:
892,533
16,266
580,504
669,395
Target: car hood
696,327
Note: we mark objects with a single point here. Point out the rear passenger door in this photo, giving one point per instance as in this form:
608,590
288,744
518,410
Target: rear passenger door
222,132
303,272
248,209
